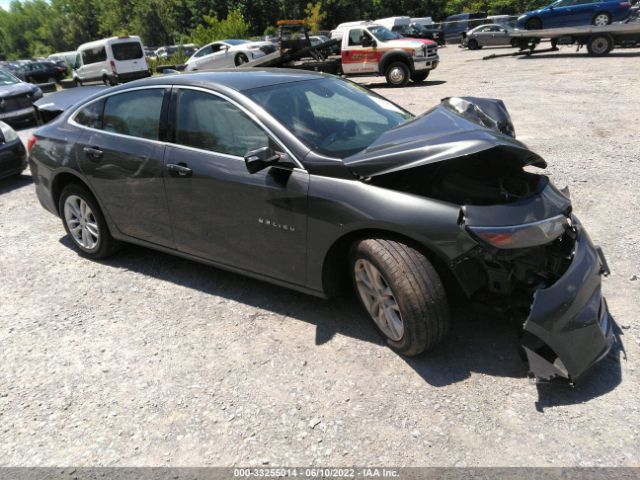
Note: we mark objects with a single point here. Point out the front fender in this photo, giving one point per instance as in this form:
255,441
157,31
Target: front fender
394,55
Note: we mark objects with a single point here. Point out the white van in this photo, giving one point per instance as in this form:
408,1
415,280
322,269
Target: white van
393,23
111,60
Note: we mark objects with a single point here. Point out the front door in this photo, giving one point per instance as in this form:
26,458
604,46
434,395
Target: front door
123,160
219,211
355,57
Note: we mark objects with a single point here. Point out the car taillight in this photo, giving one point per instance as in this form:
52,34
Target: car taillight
31,142
522,236
113,66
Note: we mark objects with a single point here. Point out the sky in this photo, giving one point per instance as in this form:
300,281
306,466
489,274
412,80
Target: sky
5,4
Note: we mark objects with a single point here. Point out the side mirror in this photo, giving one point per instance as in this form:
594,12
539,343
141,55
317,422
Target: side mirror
259,159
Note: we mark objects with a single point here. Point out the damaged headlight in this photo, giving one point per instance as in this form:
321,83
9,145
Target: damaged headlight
522,236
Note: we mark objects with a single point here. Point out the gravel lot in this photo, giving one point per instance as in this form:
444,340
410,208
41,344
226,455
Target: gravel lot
147,359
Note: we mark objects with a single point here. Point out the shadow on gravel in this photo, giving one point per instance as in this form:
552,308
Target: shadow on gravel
13,183
474,344
384,85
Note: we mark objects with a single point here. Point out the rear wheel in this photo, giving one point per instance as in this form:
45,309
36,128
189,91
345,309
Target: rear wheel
84,222
397,74
402,293
533,24
601,19
419,77
599,45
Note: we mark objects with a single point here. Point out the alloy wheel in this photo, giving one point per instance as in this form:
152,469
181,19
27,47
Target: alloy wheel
601,20
81,221
378,299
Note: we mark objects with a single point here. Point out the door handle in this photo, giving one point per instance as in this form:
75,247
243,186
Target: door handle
180,169
93,152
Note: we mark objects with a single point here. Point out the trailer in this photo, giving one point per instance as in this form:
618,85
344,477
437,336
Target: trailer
598,40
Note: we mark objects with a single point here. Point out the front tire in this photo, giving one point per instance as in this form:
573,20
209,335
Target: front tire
533,24
397,74
473,44
241,59
84,222
402,293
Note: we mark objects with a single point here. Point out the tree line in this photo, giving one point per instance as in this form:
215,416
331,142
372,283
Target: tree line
38,27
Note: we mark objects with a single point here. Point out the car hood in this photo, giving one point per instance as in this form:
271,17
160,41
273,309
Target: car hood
458,127
16,89
424,41
405,43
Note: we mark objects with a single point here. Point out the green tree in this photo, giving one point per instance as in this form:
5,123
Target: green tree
234,26
315,16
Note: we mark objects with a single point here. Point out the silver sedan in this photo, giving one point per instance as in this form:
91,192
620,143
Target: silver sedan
488,35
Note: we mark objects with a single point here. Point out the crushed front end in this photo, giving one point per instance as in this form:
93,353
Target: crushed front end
533,261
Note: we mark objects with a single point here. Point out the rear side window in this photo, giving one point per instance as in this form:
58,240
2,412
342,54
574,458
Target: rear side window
135,113
91,115
93,55
211,123
127,51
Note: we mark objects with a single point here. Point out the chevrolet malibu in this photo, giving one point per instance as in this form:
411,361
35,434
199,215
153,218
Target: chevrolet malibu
314,183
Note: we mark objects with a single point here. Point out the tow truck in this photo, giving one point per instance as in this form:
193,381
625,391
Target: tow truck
365,49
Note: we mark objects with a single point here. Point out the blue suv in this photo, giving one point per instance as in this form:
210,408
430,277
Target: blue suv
569,13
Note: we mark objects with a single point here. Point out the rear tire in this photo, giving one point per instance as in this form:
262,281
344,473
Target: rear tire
601,19
420,77
403,295
533,24
397,74
599,45
84,222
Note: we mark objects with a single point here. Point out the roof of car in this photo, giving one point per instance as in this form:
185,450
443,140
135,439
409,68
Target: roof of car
236,79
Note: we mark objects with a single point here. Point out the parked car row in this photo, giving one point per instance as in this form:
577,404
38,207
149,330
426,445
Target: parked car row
35,71
16,98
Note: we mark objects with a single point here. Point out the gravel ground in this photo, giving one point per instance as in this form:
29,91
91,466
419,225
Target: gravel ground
147,359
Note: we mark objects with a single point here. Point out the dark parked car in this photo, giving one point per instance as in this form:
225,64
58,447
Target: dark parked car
314,183
455,25
570,13
42,72
13,156
417,30
16,98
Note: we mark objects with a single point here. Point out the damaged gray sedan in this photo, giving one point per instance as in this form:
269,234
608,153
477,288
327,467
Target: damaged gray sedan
314,183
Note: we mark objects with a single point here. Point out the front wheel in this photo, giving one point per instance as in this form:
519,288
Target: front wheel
397,74
241,59
473,44
601,19
402,293
84,222
420,77
533,24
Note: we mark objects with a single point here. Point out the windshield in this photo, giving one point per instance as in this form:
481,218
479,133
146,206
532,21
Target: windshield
331,116
127,51
235,42
383,33
7,79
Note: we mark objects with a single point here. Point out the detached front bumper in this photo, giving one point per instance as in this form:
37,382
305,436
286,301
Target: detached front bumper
569,328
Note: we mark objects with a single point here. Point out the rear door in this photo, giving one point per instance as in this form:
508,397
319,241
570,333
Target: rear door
220,212
122,157
128,56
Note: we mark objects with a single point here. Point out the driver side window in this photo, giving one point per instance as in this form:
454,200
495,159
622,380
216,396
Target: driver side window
208,122
355,37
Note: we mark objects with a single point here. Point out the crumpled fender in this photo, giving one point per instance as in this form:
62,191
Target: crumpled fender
457,127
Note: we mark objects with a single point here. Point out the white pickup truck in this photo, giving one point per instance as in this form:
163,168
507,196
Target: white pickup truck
371,49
